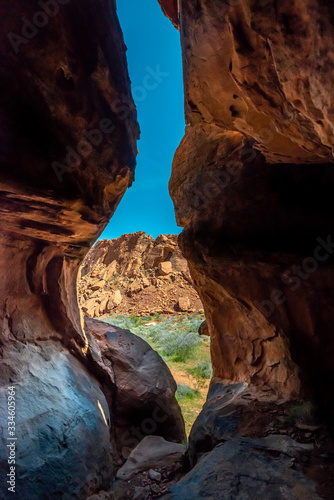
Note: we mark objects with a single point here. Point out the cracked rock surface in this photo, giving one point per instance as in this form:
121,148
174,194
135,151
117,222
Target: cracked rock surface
251,185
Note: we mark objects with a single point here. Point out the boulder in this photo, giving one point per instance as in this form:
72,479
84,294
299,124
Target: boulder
97,285
178,262
144,400
146,282
218,420
91,308
63,447
134,287
115,299
152,451
165,268
245,468
153,466
184,304
104,304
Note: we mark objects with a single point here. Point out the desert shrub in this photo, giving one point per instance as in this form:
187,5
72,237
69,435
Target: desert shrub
185,392
180,346
174,337
203,370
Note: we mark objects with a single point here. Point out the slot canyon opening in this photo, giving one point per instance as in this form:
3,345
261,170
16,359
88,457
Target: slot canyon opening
129,279
87,408
143,285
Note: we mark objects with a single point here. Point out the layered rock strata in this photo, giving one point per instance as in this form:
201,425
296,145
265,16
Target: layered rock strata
251,184
68,135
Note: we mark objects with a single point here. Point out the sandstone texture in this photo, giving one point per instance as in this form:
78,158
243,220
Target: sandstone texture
242,469
138,275
68,133
68,137
252,184
171,9
139,386
62,424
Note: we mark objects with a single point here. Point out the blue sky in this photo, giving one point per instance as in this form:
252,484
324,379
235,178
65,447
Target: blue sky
153,46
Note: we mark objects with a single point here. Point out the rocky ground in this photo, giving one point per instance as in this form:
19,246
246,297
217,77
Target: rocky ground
135,274
243,442
243,445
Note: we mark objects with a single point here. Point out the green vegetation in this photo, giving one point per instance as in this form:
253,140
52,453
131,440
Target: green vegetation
203,370
185,392
186,353
172,336
178,346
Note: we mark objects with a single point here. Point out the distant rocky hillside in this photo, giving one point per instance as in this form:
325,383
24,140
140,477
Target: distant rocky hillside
137,274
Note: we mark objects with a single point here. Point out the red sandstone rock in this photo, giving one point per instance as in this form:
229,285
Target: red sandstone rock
148,274
68,135
64,85
252,184
171,9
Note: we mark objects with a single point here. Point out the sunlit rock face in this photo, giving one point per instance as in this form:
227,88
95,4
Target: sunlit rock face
251,184
68,134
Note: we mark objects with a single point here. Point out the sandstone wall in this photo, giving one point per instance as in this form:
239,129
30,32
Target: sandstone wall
68,135
252,182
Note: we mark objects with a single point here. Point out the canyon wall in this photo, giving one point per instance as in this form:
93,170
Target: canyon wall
252,184
136,274
68,133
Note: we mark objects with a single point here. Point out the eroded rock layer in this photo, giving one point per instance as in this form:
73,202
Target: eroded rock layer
68,135
251,184
68,147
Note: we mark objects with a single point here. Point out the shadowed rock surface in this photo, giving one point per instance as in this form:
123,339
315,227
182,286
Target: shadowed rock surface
244,469
62,430
153,466
76,425
68,137
140,386
69,104
251,184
